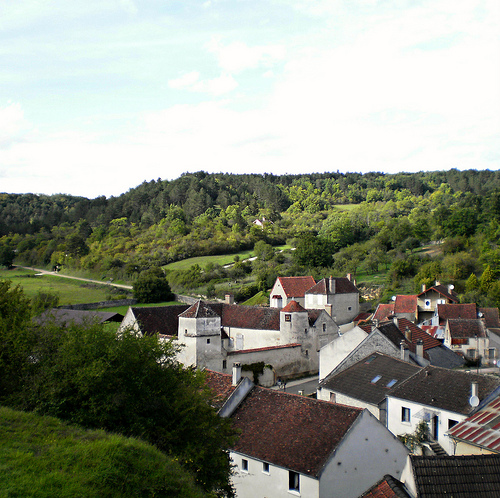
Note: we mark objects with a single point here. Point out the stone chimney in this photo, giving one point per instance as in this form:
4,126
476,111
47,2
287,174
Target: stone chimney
408,334
229,298
395,320
236,373
405,352
424,287
349,277
331,285
420,348
474,389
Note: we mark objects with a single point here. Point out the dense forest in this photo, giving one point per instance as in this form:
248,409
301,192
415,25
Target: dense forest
414,228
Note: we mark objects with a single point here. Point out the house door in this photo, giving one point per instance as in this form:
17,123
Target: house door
435,427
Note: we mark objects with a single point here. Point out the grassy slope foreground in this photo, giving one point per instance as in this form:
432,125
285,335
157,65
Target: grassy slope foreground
44,457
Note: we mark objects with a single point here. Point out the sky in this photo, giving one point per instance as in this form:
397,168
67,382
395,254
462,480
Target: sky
98,96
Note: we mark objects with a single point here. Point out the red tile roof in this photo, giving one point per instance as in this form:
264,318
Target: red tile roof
481,429
296,286
383,312
300,433
417,333
405,304
388,487
250,317
221,386
199,309
491,318
268,348
293,307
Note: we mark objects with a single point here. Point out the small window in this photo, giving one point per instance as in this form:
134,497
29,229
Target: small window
349,308
376,379
332,397
208,341
405,414
265,467
324,327
293,481
288,318
244,465
224,364
391,382
369,360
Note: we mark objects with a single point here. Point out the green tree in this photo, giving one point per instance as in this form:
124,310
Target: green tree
152,287
487,278
312,251
472,283
7,256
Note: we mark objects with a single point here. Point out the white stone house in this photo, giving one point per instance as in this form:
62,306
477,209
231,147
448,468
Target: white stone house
440,397
291,445
216,336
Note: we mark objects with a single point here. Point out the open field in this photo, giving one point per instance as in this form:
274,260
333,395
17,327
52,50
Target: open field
220,259
69,291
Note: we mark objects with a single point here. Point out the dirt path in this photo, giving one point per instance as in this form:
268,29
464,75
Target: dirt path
46,272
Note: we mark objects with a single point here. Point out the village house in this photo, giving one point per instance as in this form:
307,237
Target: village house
478,434
367,383
290,445
429,299
217,335
338,296
440,397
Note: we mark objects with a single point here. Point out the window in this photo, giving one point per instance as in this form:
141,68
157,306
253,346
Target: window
376,379
288,318
451,423
293,481
391,383
265,467
405,414
349,308
208,341
244,465
224,364
324,327
332,397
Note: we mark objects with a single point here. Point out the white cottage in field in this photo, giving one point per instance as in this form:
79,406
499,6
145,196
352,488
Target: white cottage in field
291,445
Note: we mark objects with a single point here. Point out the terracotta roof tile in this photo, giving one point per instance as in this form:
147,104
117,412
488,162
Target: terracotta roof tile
465,329
333,285
293,307
221,386
300,433
199,309
405,304
388,487
268,348
491,318
383,312
296,286
417,333
250,317
447,311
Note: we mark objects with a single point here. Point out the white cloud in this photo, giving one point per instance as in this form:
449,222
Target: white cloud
13,125
185,81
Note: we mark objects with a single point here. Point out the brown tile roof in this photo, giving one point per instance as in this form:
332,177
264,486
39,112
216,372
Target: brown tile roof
296,286
267,348
445,389
466,329
342,286
491,318
388,487
159,319
447,311
293,307
221,386
481,429
357,381
199,309
405,304
250,317
294,432
457,476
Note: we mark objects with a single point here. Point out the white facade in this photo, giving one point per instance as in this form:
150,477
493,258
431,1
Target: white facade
367,452
403,417
337,350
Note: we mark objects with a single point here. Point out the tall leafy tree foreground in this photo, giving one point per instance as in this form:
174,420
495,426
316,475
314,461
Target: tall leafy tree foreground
124,384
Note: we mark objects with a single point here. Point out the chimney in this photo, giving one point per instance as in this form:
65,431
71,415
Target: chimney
349,277
474,389
405,352
438,283
395,321
420,348
328,309
408,334
236,372
229,298
331,285
424,287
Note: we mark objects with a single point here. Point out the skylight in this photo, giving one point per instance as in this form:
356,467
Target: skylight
392,382
376,379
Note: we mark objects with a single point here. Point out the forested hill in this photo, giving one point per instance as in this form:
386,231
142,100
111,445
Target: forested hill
365,224
150,202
